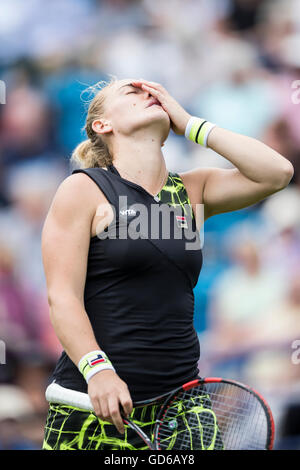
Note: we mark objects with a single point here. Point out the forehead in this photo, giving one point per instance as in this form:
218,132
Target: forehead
119,86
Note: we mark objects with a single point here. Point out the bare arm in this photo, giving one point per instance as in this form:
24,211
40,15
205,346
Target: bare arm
65,244
259,172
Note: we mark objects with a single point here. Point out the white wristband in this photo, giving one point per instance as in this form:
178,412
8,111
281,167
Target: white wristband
198,130
94,362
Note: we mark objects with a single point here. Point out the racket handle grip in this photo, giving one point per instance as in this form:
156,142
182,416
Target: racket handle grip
64,396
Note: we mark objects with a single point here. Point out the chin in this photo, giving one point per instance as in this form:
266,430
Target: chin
158,120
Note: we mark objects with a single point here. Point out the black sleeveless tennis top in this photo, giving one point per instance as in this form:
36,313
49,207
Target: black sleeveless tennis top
138,295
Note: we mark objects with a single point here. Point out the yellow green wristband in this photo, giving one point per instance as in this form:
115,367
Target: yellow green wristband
92,363
198,129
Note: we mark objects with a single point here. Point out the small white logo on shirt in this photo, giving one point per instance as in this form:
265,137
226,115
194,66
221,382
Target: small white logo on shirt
126,212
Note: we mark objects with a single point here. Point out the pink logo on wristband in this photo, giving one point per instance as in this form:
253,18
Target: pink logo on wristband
97,359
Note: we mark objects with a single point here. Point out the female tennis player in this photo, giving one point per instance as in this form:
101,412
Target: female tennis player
121,304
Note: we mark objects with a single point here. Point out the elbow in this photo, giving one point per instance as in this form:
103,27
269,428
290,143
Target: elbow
284,176
60,301
53,298
287,174
53,304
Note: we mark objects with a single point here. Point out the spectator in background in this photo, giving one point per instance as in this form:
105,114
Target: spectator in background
13,312
240,298
30,194
17,417
269,363
284,131
25,130
242,98
281,221
23,305
26,31
63,81
24,323
280,325
278,40
25,127
244,15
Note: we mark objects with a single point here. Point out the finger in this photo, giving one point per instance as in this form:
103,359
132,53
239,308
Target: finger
105,411
96,406
149,82
141,82
158,86
115,414
157,94
139,85
126,403
152,90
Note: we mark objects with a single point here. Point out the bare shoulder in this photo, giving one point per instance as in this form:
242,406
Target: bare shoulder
80,202
81,185
78,191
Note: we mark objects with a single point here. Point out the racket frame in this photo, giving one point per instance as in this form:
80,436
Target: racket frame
198,382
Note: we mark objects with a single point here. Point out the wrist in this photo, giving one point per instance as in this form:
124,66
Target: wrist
104,374
197,130
180,123
94,362
185,120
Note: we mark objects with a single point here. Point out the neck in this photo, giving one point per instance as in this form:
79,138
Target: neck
141,162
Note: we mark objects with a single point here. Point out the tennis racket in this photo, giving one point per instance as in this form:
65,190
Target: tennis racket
205,414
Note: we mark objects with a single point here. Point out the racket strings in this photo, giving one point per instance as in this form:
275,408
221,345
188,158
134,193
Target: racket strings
215,416
241,417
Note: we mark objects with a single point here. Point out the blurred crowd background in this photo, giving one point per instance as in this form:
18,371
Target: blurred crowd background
234,62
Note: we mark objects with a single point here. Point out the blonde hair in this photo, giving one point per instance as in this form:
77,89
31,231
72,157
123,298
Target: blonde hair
93,152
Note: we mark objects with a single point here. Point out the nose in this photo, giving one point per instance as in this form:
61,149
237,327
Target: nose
147,96
146,93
